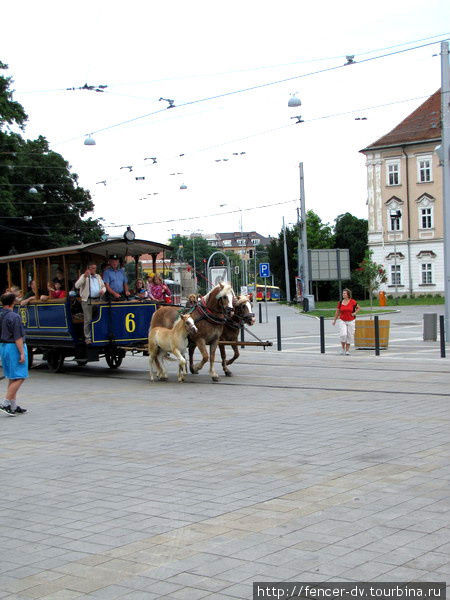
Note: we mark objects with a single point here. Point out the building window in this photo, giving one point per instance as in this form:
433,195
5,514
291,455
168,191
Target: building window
256,241
240,242
426,218
427,273
396,275
424,173
395,220
227,242
393,172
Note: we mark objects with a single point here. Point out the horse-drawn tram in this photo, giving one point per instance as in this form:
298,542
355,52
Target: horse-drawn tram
54,324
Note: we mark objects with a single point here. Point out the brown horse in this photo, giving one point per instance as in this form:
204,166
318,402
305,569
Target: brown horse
243,315
209,316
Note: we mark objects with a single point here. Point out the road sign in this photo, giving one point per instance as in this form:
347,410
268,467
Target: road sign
264,269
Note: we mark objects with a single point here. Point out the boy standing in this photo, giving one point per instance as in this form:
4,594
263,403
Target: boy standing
13,352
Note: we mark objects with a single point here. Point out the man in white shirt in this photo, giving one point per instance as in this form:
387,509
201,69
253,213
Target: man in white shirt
91,288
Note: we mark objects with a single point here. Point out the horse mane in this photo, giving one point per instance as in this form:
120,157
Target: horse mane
242,299
225,290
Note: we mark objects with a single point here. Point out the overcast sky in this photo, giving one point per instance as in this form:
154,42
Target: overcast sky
185,51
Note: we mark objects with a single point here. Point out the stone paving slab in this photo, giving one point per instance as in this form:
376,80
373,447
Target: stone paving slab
300,467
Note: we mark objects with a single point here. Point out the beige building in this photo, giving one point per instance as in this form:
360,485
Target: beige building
404,199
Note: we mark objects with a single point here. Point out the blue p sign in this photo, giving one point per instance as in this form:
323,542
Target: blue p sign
264,269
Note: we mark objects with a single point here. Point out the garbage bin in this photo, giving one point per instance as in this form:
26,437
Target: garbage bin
430,327
311,301
305,304
382,299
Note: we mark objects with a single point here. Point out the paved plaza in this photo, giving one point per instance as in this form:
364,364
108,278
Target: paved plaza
300,467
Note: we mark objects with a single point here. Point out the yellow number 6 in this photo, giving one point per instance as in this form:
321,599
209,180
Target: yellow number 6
130,324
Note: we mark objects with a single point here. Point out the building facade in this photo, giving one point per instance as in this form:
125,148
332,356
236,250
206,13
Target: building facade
404,199
242,243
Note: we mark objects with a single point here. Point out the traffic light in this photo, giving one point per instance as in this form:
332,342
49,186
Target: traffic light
250,253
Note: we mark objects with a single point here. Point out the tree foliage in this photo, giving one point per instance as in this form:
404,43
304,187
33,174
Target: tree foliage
55,215
351,232
370,274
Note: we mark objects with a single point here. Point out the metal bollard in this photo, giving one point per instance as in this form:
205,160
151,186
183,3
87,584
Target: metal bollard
377,337
442,334
279,333
322,335
260,312
242,336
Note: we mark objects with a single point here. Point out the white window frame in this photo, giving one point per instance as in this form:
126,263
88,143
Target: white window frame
422,170
240,242
226,242
427,217
390,221
395,173
426,273
396,274
256,241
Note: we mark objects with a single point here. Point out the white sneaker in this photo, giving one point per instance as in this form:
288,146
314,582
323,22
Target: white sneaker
347,353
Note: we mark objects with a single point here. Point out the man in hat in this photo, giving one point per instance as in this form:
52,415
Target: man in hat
115,280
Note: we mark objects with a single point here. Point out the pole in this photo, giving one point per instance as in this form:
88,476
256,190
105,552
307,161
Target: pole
299,252
445,111
442,335
304,243
279,334
286,266
265,298
242,336
377,336
195,268
395,267
322,335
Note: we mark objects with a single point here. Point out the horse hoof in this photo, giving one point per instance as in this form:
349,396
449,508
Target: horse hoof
216,378
228,373
164,379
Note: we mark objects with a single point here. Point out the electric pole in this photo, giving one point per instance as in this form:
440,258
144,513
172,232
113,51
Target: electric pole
303,240
445,145
286,267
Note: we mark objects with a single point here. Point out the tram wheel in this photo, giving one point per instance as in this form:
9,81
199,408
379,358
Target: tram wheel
114,358
55,360
81,362
30,356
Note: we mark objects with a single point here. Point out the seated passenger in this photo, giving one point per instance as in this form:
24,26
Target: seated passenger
141,291
14,289
115,279
191,301
92,288
56,291
33,294
158,290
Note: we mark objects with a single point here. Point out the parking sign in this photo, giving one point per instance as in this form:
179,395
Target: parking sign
264,269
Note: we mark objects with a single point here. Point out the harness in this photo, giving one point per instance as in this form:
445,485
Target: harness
209,315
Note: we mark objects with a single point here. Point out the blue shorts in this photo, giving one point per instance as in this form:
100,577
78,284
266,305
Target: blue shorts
12,368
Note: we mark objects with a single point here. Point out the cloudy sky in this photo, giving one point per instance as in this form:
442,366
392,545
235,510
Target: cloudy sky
191,51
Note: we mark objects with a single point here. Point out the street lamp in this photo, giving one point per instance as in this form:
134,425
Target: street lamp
395,215
244,280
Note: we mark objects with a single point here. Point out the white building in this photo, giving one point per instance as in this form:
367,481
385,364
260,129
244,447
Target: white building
405,211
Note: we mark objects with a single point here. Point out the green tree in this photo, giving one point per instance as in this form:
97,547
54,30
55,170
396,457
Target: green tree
351,232
55,214
320,234
370,274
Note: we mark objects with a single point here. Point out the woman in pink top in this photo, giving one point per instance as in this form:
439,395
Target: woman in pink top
346,313
158,290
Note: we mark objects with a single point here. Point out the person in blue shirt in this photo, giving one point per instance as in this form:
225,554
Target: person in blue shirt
115,279
13,352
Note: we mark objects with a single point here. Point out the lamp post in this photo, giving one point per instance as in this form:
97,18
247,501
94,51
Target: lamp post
395,220
445,144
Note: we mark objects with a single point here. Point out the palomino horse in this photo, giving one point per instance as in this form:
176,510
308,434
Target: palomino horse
242,315
162,340
209,316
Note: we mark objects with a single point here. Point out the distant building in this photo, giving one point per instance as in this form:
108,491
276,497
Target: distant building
404,199
240,243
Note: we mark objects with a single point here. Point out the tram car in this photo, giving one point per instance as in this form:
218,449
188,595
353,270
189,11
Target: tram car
54,327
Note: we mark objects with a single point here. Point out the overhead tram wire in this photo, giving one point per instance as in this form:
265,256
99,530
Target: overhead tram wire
264,85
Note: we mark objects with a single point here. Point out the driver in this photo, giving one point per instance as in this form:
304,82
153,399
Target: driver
115,280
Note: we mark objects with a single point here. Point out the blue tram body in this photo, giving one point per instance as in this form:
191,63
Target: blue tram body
54,328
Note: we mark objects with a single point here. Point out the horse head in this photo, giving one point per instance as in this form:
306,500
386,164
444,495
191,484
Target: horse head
189,324
243,309
220,299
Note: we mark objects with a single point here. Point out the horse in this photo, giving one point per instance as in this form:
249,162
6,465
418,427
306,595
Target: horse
242,315
162,340
209,316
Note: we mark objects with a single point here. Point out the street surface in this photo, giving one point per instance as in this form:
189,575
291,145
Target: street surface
301,466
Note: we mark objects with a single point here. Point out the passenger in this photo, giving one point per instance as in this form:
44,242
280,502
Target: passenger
14,289
59,277
92,288
13,352
141,291
115,279
56,291
158,290
191,301
33,294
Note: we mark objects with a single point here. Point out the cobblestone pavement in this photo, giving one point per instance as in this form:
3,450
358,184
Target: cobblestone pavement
300,467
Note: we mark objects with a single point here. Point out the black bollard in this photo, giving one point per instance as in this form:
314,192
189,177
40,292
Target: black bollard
279,333
442,334
322,335
260,312
377,337
242,336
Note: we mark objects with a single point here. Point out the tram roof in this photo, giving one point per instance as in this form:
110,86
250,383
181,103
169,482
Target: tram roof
104,248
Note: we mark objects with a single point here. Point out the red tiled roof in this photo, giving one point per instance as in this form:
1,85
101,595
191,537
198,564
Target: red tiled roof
422,124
